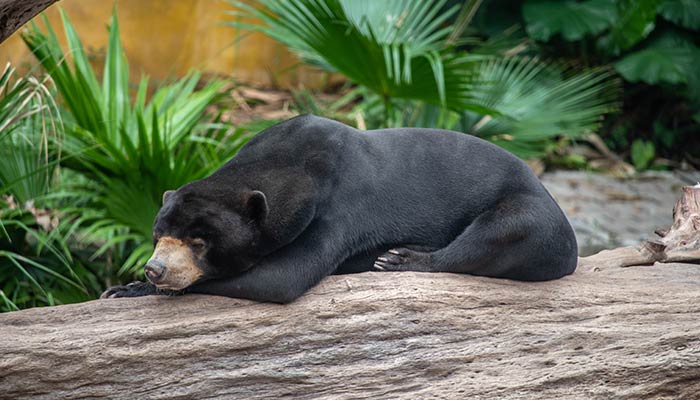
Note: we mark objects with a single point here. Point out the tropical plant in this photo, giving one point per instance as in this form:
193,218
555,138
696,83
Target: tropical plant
125,151
648,40
653,44
28,122
36,267
405,57
642,154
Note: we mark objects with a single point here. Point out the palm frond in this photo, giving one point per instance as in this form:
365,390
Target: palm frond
538,102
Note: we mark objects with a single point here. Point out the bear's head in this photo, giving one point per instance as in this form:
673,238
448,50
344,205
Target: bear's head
203,234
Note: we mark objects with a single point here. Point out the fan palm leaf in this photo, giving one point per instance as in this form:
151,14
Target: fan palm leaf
397,48
538,101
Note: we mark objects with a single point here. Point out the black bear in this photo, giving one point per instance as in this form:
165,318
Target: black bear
311,197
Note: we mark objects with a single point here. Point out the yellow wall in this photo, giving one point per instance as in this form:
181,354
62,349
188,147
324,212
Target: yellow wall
166,38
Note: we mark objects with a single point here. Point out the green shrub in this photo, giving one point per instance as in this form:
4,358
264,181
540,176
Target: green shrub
653,45
36,266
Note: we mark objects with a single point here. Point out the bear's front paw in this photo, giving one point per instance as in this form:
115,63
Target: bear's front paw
402,259
133,289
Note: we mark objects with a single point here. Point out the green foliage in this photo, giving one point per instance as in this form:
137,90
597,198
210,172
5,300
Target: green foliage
670,59
667,56
653,45
400,54
643,153
36,264
127,150
539,102
634,21
28,121
569,161
402,44
36,267
619,24
572,19
685,13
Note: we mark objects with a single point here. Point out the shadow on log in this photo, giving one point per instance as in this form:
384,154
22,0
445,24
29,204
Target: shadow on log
616,333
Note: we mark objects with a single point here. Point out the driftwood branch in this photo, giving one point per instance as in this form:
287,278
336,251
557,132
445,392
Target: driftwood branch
15,13
680,243
624,333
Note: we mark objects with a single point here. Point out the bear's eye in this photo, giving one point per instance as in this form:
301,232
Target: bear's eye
198,244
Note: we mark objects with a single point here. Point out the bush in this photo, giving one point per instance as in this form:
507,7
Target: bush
36,266
653,46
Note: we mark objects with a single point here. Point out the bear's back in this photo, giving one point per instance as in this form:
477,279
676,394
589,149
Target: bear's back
326,148
294,141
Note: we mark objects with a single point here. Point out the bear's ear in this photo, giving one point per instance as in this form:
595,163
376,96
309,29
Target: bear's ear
256,205
167,194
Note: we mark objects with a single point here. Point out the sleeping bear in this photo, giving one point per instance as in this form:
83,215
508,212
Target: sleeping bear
311,197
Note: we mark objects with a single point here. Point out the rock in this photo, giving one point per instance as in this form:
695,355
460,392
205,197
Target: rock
617,333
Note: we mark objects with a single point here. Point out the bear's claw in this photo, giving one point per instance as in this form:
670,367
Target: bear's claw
379,265
402,259
133,289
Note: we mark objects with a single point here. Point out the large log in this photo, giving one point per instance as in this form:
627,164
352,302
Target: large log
15,13
623,333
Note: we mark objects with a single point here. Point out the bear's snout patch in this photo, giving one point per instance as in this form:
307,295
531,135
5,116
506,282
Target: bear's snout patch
174,265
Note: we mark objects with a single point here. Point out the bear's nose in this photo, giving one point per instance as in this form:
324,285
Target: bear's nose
154,270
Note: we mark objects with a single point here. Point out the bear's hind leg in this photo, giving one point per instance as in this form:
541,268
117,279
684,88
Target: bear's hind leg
518,239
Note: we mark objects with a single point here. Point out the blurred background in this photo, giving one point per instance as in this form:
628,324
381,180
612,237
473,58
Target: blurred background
103,106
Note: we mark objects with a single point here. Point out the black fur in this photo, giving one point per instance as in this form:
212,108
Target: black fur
311,197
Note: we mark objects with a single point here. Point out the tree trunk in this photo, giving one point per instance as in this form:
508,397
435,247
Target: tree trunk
15,13
680,243
623,333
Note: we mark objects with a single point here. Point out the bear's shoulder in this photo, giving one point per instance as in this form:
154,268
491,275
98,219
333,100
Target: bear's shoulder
299,138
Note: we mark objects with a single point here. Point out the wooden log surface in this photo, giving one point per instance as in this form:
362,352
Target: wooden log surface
15,13
623,333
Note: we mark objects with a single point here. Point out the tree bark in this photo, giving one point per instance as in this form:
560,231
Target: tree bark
680,243
15,13
623,333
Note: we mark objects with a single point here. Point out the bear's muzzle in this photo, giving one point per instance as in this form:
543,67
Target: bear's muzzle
172,265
